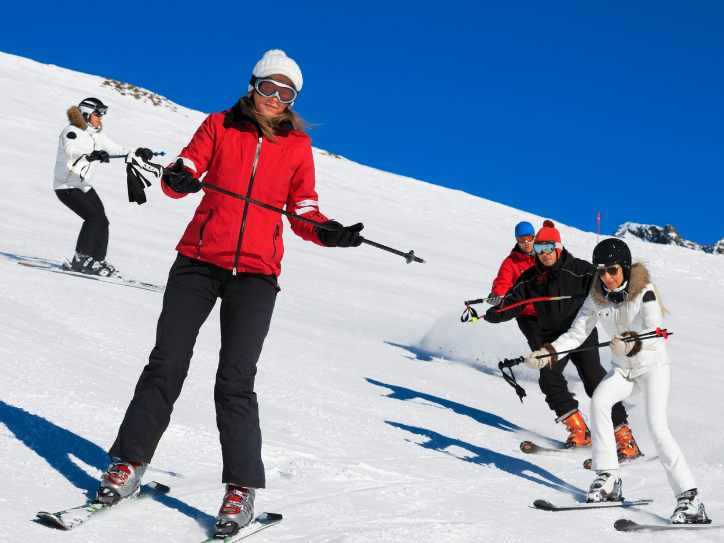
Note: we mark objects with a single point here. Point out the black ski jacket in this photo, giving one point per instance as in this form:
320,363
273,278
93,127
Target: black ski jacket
569,276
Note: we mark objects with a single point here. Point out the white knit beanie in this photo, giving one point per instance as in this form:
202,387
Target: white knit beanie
276,61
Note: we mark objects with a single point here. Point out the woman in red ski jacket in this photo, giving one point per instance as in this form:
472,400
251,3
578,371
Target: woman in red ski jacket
231,250
520,259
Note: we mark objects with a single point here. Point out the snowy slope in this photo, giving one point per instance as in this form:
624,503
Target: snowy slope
384,417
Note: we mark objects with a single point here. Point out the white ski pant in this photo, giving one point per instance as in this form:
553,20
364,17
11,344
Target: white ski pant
654,385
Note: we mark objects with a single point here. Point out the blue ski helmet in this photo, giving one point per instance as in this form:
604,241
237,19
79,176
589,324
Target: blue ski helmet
524,228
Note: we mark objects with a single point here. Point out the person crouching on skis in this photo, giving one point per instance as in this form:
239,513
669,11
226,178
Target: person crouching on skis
231,250
558,273
626,303
81,147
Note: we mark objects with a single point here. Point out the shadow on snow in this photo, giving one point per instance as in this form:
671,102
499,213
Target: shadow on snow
438,442
58,446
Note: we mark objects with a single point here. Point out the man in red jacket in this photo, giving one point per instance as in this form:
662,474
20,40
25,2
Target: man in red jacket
520,259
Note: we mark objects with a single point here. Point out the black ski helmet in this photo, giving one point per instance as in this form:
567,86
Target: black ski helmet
89,105
612,251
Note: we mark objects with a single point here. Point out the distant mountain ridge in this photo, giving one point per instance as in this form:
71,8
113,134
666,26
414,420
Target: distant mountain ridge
666,236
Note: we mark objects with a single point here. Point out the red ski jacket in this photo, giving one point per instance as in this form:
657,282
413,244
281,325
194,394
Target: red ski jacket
232,233
511,268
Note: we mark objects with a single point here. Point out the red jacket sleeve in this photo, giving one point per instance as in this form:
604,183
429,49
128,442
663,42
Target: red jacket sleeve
197,154
302,199
507,276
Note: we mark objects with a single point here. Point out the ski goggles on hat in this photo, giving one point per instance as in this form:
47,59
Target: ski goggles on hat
100,110
525,239
610,270
544,247
286,94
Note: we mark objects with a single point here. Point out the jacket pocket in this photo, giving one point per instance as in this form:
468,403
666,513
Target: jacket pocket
202,227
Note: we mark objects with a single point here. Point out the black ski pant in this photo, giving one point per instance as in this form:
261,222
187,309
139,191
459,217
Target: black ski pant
588,364
247,303
528,324
93,237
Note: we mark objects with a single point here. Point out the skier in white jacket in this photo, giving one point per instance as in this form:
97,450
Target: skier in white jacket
82,146
626,303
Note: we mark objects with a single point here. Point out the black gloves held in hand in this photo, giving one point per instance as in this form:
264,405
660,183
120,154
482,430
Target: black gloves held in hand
180,179
341,236
98,155
145,153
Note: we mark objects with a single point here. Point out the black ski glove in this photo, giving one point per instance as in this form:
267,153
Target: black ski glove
98,155
342,236
144,153
180,179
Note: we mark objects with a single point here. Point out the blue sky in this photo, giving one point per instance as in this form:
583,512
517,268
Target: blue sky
557,108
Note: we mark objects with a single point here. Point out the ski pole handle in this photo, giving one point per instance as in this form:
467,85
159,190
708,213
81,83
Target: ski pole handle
510,362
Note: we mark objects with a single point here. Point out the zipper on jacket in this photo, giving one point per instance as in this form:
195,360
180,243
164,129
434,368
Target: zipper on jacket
274,241
246,203
201,232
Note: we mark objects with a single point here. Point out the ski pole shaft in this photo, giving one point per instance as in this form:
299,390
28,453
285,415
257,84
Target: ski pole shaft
659,332
409,257
160,153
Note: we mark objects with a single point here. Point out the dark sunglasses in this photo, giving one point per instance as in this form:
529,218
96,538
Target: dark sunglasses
100,111
610,270
545,247
286,94
525,239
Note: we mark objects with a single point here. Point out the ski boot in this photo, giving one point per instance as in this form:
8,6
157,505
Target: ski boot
606,487
579,435
237,511
689,510
626,446
80,263
102,268
121,479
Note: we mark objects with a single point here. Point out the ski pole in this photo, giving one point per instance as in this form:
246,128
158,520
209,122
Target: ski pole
507,364
659,332
409,257
469,314
160,153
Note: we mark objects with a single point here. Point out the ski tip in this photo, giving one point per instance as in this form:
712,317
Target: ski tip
624,524
49,519
527,446
544,505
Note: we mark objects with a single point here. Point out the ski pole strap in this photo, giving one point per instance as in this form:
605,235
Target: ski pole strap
469,314
507,364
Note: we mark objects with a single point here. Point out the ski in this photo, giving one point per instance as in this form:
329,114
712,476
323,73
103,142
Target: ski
261,522
625,525
548,506
77,516
529,447
63,267
588,462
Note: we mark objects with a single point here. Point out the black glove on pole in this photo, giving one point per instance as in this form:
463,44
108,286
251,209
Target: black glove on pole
340,236
98,155
180,179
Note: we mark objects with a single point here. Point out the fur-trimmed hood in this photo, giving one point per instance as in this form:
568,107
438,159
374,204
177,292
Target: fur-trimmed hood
75,117
636,284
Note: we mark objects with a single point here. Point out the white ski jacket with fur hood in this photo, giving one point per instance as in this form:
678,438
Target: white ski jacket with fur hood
641,312
77,140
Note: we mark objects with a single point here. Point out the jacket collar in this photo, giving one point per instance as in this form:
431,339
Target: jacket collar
637,283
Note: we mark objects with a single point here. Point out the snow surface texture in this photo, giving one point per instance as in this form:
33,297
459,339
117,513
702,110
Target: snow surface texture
384,417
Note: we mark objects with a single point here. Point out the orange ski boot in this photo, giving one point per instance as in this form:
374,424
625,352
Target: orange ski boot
626,446
578,433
